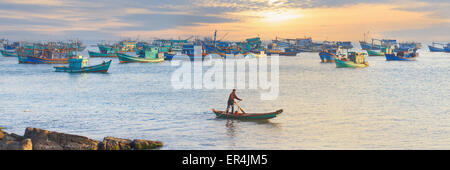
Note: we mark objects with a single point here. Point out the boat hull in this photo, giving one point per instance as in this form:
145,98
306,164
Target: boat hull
123,58
374,53
8,54
367,46
436,49
348,64
37,60
100,68
96,54
392,57
248,116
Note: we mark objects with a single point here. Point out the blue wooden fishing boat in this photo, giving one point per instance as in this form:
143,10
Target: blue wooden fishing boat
10,47
367,46
447,48
79,65
405,46
434,48
328,56
247,116
345,44
409,55
168,56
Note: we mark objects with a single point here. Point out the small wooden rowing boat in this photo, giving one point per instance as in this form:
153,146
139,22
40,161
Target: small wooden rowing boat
247,116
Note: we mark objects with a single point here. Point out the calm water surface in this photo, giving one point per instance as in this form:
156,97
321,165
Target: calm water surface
389,105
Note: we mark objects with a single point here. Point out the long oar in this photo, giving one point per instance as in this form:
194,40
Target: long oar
240,108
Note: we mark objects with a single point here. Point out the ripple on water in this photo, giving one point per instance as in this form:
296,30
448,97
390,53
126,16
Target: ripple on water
389,105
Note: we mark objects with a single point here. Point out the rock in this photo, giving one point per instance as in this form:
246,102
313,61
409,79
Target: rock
39,139
112,143
139,144
47,140
27,144
14,142
2,134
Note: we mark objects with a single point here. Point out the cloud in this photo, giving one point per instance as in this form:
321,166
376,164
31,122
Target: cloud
114,18
435,32
36,2
434,8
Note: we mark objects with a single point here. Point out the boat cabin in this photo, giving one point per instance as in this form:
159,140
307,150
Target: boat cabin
78,63
357,57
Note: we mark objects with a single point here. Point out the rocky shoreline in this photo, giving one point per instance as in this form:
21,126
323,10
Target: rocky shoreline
39,139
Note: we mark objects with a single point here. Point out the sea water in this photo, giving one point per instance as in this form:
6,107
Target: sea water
388,105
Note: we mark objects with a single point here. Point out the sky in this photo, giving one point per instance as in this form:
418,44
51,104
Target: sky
234,20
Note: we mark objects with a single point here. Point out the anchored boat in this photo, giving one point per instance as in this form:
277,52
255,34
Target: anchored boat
149,55
6,53
353,60
49,53
123,58
433,47
409,55
79,65
374,53
96,54
328,56
248,116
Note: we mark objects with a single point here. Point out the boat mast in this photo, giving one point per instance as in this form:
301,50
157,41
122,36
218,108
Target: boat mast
215,35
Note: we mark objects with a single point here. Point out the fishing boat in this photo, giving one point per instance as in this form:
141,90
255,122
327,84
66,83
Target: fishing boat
375,53
10,47
6,53
327,56
49,53
433,47
382,43
353,60
247,116
381,52
189,50
97,54
41,60
345,44
447,48
123,58
409,55
436,49
367,46
408,45
79,65
284,51
150,55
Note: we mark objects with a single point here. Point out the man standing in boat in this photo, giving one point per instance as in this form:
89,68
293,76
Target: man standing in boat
231,101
